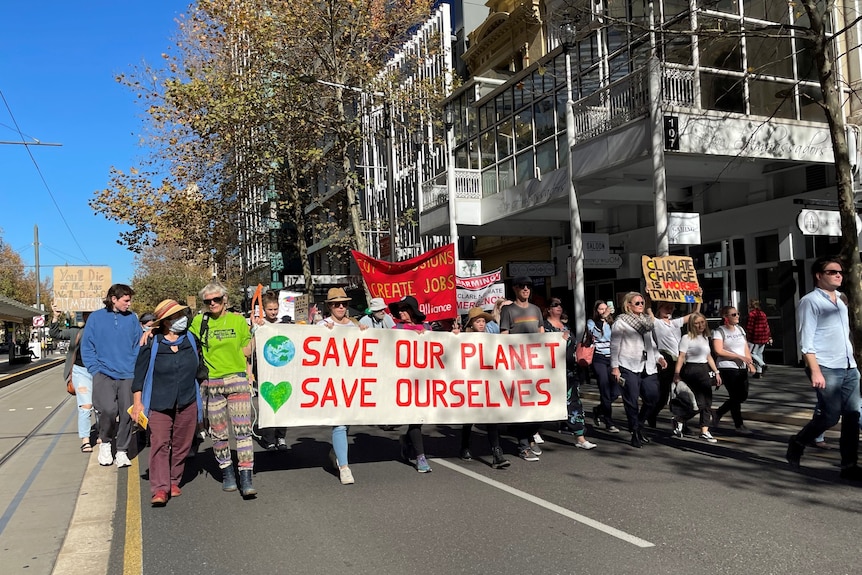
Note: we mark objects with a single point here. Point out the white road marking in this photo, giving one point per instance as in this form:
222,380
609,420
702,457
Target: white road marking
48,407
29,409
612,531
13,409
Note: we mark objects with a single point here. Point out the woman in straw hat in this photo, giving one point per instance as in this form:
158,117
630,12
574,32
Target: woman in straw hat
165,390
477,321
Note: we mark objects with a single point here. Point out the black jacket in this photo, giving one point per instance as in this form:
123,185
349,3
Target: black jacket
173,374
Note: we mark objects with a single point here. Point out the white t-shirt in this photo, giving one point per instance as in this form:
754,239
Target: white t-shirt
734,341
696,349
667,335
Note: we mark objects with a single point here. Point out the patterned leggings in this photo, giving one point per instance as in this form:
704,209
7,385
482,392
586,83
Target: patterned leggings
228,400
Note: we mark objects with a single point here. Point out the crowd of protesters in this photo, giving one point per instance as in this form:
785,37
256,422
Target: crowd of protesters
176,373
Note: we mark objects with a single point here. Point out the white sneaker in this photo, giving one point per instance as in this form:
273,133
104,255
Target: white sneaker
105,457
538,438
585,445
345,475
707,436
122,459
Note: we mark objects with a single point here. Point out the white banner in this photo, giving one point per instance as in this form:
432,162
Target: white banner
482,290
310,375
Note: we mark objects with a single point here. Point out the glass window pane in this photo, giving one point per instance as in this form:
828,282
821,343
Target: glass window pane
487,149
770,99
546,157
505,174
719,92
524,129
543,113
766,249
810,109
525,167
771,10
461,161
473,153
562,149
728,6
504,104
486,115
770,56
489,181
719,42
806,69
504,139
739,252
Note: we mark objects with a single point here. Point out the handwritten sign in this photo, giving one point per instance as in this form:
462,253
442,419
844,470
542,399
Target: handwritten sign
429,277
482,290
81,288
310,375
671,278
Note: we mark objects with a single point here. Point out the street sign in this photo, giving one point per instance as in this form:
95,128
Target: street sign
39,321
822,223
610,262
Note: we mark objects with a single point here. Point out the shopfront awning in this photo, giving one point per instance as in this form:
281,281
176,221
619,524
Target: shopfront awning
11,310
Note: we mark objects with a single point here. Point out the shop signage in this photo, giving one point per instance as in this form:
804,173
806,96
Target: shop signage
608,262
532,269
596,246
683,228
822,223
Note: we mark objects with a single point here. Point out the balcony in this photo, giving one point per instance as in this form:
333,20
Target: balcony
435,193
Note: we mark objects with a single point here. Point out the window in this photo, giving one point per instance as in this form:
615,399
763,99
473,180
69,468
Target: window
767,98
504,139
546,156
525,167
720,92
524,129
766,249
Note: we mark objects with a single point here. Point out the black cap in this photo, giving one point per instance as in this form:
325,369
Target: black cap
522,281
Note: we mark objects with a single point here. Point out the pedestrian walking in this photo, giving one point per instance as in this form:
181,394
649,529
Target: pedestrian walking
272,438
599,327
696,367
226,344
74,367
668,332
758,334
734,364
166,392
823,327
635,361
109,350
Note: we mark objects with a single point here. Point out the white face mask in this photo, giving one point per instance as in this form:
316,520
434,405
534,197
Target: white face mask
180,325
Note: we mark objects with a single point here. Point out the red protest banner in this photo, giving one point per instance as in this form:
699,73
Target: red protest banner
429,277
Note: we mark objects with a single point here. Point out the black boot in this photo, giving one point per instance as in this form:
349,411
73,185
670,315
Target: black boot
642,436
245,486
636,441
228,479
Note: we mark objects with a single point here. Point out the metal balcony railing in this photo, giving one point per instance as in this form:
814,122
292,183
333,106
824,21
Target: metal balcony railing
467,185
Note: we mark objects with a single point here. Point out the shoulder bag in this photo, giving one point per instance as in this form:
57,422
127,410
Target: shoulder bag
585,349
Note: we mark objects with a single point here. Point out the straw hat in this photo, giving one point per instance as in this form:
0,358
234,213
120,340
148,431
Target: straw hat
167,308
336,294
477,312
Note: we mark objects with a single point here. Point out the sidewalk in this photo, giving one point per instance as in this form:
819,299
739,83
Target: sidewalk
783,395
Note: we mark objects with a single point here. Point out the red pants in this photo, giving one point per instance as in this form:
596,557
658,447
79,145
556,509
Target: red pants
171,434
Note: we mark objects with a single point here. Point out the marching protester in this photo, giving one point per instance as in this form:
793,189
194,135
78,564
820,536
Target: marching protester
82,381
494,325
165,390
599,327
758,334
635,361
477,322
272,438
406,310
225,342
668,332
823,326
377,317
521,316
734,363
696,367
109,350
336,302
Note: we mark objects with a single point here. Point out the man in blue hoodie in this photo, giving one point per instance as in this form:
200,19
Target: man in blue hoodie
109,349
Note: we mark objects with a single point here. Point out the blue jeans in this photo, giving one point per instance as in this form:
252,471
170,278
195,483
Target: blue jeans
839,399
339,443
83,382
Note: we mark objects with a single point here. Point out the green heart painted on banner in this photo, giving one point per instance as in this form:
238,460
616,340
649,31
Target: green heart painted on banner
276,394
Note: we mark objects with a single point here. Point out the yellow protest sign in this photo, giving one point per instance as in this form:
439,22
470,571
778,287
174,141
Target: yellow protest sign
671,278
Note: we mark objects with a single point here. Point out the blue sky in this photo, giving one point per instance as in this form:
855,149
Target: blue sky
57,70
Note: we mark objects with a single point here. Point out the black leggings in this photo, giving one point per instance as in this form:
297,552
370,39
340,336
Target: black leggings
493,430
696,375
736,383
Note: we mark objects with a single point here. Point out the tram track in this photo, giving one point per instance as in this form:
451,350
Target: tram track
34,432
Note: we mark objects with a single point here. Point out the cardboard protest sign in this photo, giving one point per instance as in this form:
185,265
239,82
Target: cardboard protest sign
429,277
312,375
81,288
482,290
671,278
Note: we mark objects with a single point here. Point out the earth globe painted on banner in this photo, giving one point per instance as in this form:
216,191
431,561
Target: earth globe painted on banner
279,350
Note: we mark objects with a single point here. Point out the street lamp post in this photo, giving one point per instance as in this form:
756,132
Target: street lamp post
568,39
449,121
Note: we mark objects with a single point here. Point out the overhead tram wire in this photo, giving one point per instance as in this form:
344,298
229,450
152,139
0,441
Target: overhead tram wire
42,177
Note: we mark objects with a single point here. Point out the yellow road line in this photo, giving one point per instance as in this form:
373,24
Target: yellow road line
133,563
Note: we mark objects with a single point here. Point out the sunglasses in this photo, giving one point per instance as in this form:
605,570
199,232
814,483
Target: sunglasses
337,304
557,304
734,314
833,272
216,300
638,303
523,287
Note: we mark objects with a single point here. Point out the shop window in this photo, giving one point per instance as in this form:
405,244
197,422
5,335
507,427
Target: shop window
739,252
774,99
525,167
741,289
766,249
769,282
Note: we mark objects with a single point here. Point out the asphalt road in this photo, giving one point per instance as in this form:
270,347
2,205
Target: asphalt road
675,506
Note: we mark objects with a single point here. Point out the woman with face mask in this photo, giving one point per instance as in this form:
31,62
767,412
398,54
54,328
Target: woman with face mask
164,389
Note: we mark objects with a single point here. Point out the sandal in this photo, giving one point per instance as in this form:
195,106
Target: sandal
86,448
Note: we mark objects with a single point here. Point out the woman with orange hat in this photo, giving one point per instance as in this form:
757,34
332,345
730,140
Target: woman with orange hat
165,390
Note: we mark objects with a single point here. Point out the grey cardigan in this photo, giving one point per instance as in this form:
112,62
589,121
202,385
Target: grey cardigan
71,334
